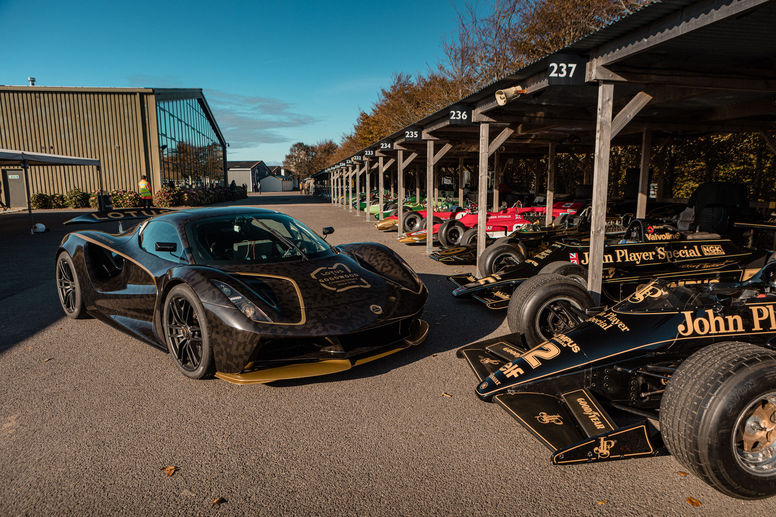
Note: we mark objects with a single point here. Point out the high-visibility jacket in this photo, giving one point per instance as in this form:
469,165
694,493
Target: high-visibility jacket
145,189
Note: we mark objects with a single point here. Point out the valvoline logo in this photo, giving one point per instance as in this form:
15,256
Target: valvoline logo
574,258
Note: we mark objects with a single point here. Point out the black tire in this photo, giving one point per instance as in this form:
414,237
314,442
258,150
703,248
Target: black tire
545,305
450,233
186,333
469,237
499,256
69,287
412,222
573,271
435,220
705,408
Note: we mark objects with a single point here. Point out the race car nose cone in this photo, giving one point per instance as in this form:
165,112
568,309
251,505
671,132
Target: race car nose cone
488,386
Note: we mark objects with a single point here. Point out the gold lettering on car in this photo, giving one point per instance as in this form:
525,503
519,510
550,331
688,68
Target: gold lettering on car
593,416
544,418
604,448
606,320
488,361
713,324
648,291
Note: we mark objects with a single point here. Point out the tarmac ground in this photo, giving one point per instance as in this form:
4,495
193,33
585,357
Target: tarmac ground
89,416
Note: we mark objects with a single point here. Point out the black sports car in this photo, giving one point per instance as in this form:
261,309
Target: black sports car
247,294
697,359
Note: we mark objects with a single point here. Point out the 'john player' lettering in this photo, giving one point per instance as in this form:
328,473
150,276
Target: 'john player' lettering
763,319
606,320
658,254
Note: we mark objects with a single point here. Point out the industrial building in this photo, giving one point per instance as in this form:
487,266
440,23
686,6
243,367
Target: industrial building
169,135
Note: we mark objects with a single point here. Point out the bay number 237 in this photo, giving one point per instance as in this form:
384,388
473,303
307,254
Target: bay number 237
562,69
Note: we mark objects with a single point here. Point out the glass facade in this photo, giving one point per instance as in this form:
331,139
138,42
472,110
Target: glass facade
189,149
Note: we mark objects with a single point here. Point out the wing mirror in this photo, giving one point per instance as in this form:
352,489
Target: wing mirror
172,247
327,230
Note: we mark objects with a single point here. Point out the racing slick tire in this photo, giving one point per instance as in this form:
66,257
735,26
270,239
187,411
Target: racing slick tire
435,220
450,233
469,237
498,256
713,401
412,222
545,305
561,267
69,287
185,330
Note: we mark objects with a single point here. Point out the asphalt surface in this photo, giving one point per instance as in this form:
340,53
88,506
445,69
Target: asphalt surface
89,416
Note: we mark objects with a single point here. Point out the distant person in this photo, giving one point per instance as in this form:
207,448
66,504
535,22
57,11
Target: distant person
145,192
233,186
259,188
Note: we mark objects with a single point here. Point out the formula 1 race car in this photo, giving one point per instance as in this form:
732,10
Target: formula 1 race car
548,292
463,231
250,295
523,242
698,359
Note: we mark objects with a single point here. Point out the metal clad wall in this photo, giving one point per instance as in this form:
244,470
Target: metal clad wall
92,124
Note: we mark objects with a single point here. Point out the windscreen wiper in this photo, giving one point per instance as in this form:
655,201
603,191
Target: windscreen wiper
282,239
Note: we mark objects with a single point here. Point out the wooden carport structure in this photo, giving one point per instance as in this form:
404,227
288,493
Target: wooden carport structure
673,68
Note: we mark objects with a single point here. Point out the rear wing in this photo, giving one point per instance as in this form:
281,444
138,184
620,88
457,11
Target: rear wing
118,214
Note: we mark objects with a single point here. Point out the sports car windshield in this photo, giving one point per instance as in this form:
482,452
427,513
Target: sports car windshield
253,239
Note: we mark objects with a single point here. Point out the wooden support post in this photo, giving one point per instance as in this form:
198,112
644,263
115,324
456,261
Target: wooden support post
350,188
482,189
430,199
603,140
391,182
496,182
460,181
641,199
367,174
381,188
358,192
550,184
400,187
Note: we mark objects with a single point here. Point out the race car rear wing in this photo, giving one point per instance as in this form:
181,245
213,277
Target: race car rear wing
118,214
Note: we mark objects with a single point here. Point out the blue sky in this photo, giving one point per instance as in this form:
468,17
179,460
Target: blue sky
274,73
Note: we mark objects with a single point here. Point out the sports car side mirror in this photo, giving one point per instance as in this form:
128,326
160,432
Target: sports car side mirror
327,230
172,247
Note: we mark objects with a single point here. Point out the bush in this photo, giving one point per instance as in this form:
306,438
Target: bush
93,199
40,201
58,201
126,199
168,197
77,198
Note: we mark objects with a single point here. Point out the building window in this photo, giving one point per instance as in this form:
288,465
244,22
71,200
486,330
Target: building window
190,152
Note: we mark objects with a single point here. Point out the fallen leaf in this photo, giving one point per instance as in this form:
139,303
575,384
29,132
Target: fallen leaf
445,394
218,500
602,501
433,355
169,470
59,328
683,474
47,360
693,502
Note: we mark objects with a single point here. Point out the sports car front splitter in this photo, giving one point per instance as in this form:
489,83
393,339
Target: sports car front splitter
418,335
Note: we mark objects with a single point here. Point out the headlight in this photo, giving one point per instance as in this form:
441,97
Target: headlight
246,306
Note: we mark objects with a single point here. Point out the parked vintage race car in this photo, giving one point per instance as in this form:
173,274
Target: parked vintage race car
698,359
250,295
547,293
463,231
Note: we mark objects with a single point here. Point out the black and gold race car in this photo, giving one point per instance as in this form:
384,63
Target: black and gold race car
247,294
547,293
698,359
